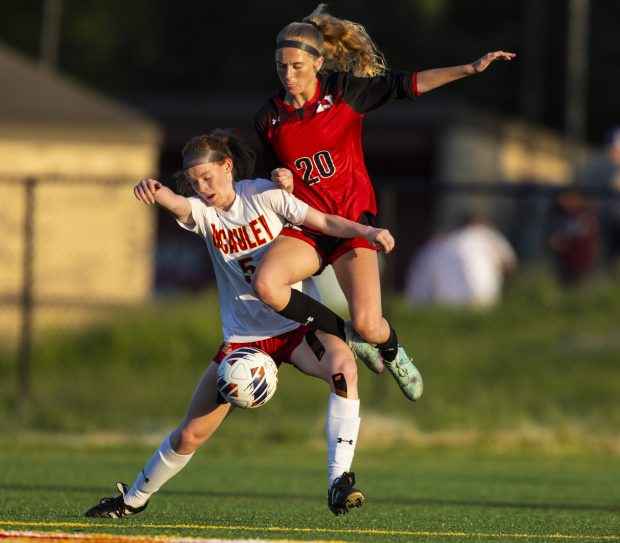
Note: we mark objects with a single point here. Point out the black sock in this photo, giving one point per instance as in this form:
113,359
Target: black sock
389,349
306,310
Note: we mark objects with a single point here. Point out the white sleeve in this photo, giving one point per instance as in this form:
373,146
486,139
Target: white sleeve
286,205
200,219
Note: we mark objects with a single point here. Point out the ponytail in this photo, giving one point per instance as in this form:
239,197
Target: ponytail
345,45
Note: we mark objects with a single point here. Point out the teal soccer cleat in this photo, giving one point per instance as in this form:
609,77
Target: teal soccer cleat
363,350
406,374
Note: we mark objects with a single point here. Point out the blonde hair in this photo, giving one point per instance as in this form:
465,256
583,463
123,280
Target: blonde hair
220,144
346,45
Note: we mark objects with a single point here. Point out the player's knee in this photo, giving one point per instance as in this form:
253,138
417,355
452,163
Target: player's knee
368,325
189,439
265,289
350,374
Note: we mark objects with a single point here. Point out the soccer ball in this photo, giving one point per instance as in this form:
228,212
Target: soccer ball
247,377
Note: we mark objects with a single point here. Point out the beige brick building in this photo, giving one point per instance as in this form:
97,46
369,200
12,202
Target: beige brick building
82,152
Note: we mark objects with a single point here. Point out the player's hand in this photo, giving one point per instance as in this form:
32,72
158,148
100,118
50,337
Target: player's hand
283,178
483,62
382,238
145,190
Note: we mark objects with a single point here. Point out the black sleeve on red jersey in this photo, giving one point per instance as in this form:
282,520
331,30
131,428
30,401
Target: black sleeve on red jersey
262,120
364,94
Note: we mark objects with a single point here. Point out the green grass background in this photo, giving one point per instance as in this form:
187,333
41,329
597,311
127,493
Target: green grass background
544,366
515,439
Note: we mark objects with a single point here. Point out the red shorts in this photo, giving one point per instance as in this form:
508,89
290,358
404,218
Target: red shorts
329,248
280,348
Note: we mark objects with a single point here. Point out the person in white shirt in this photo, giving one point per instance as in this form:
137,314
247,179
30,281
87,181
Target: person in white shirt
238,218
436,274
466,267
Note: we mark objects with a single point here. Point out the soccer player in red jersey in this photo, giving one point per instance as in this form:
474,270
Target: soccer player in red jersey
332,74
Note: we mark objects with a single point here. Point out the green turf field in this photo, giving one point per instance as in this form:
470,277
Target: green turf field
412,496
515,439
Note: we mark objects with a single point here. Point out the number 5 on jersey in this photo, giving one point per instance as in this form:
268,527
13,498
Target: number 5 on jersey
247,268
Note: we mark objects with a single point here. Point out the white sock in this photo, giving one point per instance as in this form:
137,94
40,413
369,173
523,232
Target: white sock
162,466
341,428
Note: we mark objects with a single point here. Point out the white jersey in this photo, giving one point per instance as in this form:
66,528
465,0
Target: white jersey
236,240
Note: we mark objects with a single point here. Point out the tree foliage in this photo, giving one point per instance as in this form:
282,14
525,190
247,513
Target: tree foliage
216,48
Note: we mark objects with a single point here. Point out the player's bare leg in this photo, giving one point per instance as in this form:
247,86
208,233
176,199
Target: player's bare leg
357,272
204,415
290,260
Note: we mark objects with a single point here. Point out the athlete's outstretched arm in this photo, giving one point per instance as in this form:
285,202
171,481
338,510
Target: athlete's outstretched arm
339,227
431,79
151,191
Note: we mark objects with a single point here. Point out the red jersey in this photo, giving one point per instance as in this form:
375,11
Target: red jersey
321,143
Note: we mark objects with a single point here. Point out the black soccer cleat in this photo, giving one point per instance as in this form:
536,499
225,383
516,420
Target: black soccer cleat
114,507
342,496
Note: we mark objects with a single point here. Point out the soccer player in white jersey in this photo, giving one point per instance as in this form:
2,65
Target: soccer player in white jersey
238,219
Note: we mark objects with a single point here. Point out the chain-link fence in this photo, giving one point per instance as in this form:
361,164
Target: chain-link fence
75,250
70,248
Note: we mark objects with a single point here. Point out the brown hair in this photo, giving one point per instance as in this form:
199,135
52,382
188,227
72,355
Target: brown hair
222,144
346,45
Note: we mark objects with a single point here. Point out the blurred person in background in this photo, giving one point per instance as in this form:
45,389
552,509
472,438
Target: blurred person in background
332,74
601,177
238,218
574,237
463,268
435,275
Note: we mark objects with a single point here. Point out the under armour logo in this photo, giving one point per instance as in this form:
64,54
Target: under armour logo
275,120
349,441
